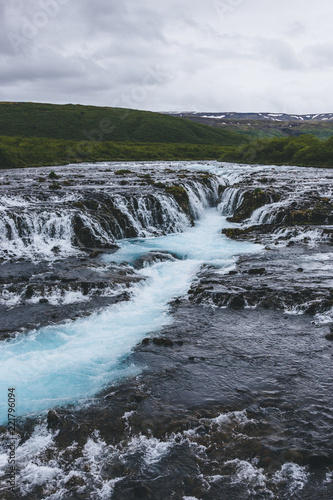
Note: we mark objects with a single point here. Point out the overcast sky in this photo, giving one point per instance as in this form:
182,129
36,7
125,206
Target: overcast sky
195,55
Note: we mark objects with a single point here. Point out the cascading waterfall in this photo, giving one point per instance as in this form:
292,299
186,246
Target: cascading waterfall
38,229
150,215
201,196
265,214
231,200
56,365
29,234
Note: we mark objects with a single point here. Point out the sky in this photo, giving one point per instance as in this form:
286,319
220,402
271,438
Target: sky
175,55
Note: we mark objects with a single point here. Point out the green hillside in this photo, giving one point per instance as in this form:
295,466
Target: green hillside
304,150
35,152
82,123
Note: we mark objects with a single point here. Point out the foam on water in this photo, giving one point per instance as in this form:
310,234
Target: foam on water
60,364
201,243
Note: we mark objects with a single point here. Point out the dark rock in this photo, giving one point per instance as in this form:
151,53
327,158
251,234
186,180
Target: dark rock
312,309
237,302
145,341
142,491
75,481
300,269
319,461
53,420
43,301
152,257
95,254
294,456
163,342
29,292
260,270
85,287
55,185
53,277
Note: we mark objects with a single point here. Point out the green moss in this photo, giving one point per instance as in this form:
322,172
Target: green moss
180,195
55,185
123,171
78,204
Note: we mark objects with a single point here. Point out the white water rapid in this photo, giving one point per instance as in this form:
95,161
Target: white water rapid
71,362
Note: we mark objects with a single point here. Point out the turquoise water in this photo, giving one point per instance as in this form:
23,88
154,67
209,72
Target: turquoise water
68,363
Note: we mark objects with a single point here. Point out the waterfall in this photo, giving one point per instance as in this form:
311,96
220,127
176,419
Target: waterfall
201,196
271,213
56,227
231,199
149,215
29,233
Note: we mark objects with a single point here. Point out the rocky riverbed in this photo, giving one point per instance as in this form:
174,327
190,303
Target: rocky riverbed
232,396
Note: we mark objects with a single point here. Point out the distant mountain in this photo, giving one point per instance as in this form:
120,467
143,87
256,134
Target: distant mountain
257,125
275,117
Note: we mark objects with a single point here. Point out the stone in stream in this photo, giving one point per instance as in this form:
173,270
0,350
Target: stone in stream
329,336
163,342
260,270
237,302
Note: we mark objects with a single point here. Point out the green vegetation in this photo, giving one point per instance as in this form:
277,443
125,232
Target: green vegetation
31,152
305,150
180,195
46,134
123,171
100,124
33,134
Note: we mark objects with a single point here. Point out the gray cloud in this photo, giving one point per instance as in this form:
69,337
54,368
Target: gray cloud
220,55
319,56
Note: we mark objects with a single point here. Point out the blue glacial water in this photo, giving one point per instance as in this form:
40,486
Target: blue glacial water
69,363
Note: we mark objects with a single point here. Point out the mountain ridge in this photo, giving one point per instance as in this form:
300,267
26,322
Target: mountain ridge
255,116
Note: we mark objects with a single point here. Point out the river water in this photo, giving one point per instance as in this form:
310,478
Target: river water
240,408
63,364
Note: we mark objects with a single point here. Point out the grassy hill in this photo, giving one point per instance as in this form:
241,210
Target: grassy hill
82,123
33,134
35,152
304,150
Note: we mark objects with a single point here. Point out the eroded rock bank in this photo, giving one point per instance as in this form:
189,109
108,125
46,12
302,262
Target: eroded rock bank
279,205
